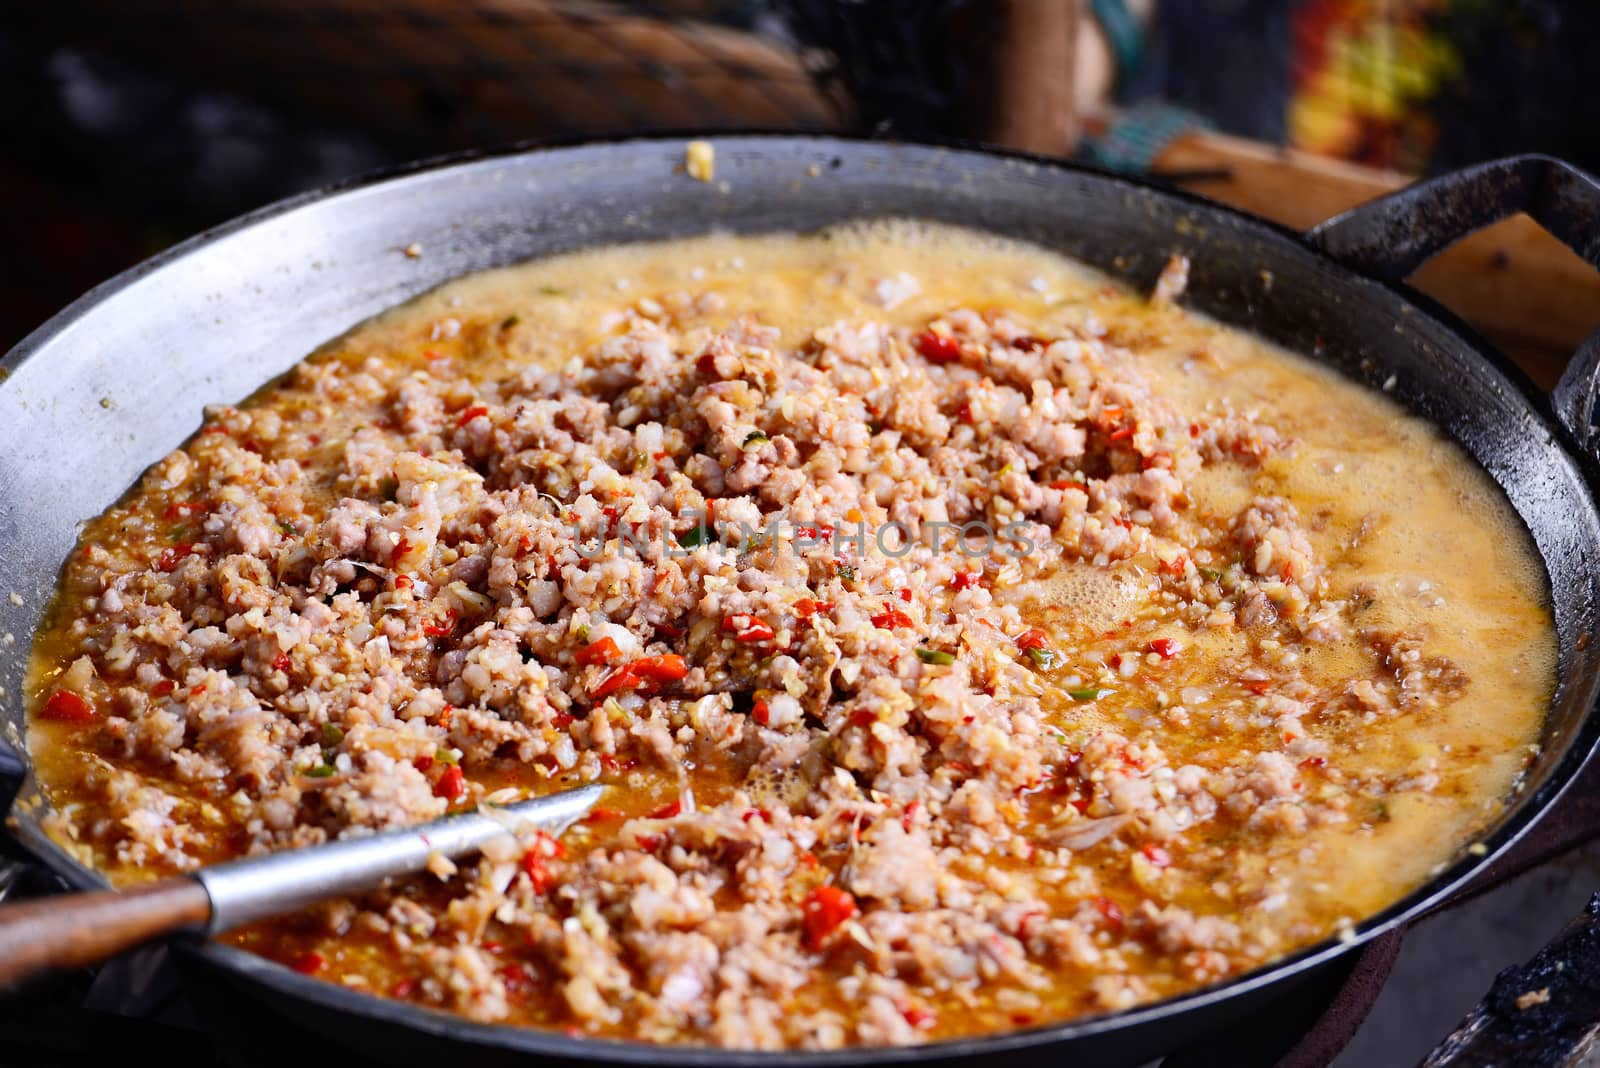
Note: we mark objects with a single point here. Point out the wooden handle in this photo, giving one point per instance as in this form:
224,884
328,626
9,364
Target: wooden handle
1022,55
73,930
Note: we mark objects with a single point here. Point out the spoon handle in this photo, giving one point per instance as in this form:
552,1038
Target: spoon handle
74,930
243,891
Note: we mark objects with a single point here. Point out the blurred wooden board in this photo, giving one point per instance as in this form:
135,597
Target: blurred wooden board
438,74
1522,288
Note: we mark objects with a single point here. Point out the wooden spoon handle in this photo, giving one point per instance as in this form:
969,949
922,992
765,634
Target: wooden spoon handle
73,930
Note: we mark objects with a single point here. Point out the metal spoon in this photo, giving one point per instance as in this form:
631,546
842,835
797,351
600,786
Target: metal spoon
73,930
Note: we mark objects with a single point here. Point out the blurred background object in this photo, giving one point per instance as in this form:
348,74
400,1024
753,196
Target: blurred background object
431,75
132,123
129,125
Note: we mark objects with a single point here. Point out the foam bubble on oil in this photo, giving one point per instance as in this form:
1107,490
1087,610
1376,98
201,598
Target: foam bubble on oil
1097,598
773,788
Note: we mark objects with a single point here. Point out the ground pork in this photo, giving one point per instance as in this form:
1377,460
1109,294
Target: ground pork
769,590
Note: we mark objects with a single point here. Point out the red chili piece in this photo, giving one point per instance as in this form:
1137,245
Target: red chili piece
937,348
1032,639
310,963
965,580
438,628
1165,648
452,785
747,628
805,607
648,669
172,555
826,909
890,618
470,414
599,651
64,706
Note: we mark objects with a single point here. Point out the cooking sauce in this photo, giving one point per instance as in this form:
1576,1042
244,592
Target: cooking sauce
1411,536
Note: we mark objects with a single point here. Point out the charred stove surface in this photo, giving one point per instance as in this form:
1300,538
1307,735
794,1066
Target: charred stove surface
1542,1013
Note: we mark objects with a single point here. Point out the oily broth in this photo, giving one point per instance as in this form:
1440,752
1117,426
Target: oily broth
1388,502
1444,549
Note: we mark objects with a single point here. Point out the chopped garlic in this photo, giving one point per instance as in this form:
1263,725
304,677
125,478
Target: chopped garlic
700,160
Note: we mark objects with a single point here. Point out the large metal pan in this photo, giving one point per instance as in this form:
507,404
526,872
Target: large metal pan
118,379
